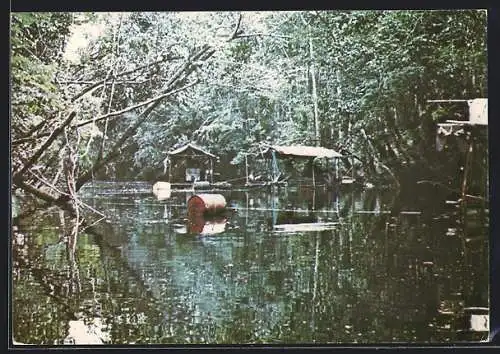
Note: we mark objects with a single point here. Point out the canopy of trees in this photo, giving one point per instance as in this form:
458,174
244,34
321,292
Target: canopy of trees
106,95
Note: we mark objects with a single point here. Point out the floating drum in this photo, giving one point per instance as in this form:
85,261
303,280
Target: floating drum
206,204
162,190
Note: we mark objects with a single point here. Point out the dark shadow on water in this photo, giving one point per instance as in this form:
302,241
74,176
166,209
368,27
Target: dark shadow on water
292,266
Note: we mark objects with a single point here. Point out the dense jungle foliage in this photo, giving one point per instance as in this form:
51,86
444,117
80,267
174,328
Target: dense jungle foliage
106,95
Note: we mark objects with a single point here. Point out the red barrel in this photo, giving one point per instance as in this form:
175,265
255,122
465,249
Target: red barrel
206,204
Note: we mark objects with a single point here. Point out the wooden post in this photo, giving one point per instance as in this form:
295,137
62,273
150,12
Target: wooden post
169,170
468,158
270,167
211,171
352,203
246,214
275,166
314,199
352,166
274,214
246,167
336,169
314,178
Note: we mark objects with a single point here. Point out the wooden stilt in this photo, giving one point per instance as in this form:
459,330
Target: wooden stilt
468,159
211,171
275,167
169,171
314,177
246,167
352,167
336,169
314,199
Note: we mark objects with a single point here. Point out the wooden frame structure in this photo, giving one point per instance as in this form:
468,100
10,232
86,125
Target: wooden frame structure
189,155
466,129
275,152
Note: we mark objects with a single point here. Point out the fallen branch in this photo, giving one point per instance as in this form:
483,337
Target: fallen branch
35,191
29,139
89,227
45,145
474,197
48,184
83,82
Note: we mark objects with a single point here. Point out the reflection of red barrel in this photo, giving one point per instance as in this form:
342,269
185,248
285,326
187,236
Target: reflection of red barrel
197,224
206,204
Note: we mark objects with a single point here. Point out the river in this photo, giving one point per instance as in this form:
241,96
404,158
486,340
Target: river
290,266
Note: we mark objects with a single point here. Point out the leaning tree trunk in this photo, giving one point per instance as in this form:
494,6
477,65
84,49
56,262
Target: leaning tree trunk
64,194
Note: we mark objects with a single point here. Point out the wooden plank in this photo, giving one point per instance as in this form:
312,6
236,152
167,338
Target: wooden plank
320,226
444,101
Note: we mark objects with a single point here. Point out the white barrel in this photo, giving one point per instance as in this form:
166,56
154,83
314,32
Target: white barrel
162,190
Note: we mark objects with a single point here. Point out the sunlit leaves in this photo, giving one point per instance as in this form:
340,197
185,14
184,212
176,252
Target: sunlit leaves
368,64
36,49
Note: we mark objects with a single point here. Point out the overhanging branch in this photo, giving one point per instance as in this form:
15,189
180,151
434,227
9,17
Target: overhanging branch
96,84
259,34
144,103
29,139
114,151
236,29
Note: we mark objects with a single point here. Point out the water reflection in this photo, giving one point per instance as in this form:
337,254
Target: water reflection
343,268
202,225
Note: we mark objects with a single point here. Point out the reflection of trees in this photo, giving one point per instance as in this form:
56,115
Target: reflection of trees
36,321
463,278
79,286
419,271
365,281
38,305
374,278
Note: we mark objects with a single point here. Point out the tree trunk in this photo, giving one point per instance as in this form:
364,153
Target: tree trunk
314,93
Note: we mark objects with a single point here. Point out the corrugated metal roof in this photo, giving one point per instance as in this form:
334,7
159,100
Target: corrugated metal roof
190,146
303,151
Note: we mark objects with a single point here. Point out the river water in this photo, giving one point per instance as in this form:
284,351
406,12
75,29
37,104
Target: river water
287,266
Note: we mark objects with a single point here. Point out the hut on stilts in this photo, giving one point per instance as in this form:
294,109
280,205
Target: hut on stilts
188,165
309,153
470,136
